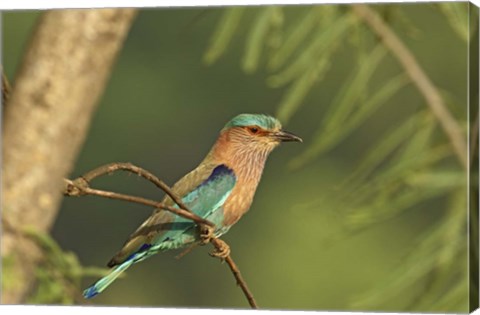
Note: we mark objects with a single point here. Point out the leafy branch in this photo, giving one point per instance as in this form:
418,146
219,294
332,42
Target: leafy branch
418,77
58,272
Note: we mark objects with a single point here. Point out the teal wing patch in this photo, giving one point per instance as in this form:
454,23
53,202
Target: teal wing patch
206,201
212,193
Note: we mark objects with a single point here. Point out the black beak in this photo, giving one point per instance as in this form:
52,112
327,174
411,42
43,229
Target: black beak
285,136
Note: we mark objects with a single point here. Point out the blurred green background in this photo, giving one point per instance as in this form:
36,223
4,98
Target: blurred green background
315,238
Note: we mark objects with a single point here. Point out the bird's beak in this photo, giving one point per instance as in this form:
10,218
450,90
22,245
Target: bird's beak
285,136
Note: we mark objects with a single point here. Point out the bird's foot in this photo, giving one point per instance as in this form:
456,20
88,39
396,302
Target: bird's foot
206,234
222,250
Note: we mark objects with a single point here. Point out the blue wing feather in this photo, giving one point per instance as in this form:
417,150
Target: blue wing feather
205,201
212,193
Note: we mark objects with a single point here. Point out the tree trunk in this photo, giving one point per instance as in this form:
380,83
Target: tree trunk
63,75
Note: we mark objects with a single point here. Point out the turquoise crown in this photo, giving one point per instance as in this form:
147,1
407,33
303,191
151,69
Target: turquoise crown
263,121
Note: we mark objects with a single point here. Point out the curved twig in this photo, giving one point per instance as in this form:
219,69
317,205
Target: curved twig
112,167
80,187
238,276
75,188
418,77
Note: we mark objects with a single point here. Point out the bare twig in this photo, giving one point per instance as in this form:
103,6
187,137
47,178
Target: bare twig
77,188
238,276
80,187
112,167
418,77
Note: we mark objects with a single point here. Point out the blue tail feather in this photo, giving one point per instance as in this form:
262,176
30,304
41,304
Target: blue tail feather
90,292
103,283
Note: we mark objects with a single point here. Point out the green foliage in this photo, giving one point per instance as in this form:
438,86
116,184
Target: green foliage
296,36
440,250
457,16
59,275
9,277
413,134
222,36
404,169
346,111
310,67
268,18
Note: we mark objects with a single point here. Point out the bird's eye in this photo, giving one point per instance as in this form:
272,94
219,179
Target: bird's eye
253,129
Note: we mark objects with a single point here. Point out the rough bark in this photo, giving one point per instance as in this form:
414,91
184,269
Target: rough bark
5,89
63,74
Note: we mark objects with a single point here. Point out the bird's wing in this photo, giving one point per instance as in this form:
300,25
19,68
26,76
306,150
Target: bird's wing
212,192
209,186
189,182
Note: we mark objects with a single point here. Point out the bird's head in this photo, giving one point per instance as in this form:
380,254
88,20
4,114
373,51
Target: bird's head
257,132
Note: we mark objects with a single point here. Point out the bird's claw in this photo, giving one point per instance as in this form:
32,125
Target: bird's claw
222,250
206,234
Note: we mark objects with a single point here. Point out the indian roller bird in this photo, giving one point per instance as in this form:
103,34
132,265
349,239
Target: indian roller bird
220,189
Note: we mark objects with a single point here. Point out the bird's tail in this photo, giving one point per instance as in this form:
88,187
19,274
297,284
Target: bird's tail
103,283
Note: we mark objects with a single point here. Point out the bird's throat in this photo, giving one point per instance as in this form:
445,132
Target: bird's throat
246,159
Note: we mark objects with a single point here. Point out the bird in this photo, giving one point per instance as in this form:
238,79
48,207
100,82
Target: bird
220,189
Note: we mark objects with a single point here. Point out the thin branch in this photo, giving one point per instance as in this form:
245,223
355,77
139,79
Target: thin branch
418,77
112,167
77,188
238,276
80,187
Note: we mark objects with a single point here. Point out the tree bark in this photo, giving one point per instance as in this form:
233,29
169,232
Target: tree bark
62,77
5,89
